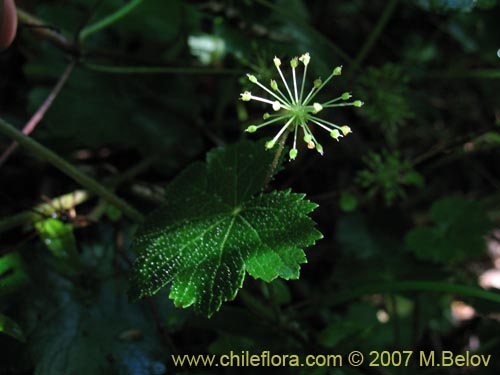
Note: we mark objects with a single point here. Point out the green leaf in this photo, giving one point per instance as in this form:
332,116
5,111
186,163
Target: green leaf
458,233
12,274
214,229
11,328
88,327
58,236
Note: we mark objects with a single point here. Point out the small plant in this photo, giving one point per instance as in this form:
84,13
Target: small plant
387,90
297,110
386,173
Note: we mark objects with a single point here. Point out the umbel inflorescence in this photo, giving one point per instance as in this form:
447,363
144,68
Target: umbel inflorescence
297,110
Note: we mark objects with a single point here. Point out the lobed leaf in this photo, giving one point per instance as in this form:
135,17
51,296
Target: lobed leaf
458,232
216,228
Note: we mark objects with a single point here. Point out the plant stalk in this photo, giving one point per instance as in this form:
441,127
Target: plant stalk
87,182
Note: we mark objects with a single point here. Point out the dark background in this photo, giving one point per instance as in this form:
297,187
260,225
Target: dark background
412,195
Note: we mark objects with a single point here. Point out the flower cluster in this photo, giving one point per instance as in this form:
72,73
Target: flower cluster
297,110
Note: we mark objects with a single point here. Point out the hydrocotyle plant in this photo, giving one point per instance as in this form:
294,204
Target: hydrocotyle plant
297,110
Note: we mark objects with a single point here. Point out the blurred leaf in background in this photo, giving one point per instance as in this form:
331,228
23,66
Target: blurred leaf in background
460,226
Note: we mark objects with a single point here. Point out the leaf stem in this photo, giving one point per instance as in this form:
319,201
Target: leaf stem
51,157
109,20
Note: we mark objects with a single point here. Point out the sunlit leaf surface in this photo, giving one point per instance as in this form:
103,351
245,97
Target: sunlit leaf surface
217,226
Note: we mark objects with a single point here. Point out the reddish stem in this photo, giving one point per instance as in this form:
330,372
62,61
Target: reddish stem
37,117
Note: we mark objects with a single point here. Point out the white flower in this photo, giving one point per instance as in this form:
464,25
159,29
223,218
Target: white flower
296,108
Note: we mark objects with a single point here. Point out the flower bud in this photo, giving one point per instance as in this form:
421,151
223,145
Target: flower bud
276,106
358,103
293,153
346,96
251,129
252,78
319,148
311,145
307,138
345,129
294,62
277,61
317,83
305,58
317,107
337,71
246,96
266,115
274,85
335,134
270,144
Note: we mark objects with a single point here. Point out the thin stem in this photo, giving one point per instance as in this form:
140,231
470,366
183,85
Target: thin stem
313,93
303,83
338,105
264,100
375,33
277,156
37,117
286,84
109,20
324,122
322,125
157,70
313,89
51,157
295,137
295,86
282,130
281,93
332,101
281,100
271,121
